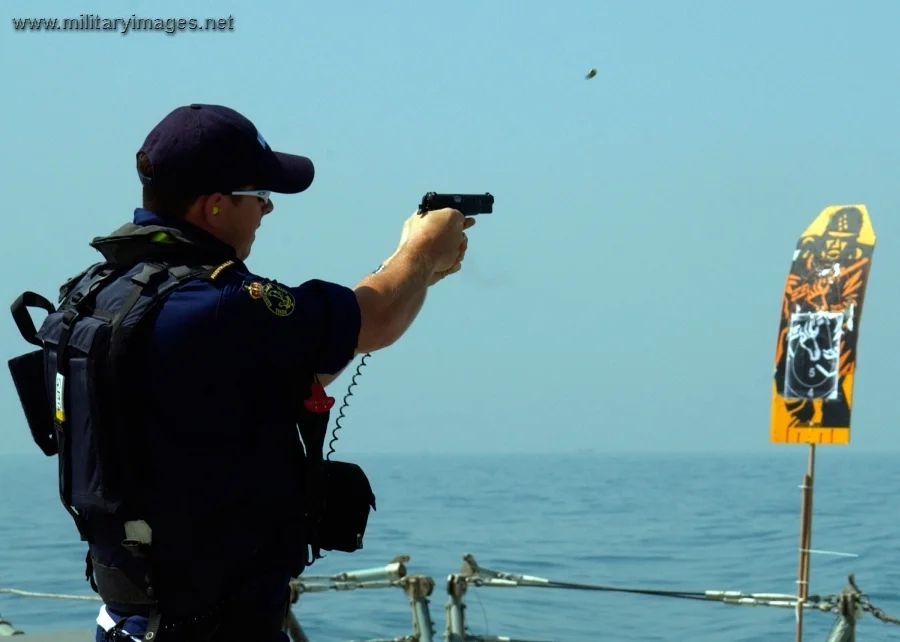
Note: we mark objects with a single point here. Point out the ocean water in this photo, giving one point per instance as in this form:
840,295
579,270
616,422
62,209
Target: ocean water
682,522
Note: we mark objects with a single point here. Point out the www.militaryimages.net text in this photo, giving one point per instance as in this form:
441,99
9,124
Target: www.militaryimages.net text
92,22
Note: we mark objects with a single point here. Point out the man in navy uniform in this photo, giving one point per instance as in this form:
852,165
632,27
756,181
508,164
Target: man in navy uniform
215,377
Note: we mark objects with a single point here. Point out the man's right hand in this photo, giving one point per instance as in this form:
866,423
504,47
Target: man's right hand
439,235
432,246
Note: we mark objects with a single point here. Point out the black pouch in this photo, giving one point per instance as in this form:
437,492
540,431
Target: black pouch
27,372
28,375
348,497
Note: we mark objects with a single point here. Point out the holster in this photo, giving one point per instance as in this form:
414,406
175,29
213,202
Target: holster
347,498
338,494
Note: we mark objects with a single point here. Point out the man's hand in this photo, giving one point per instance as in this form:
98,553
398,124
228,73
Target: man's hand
457,265
432,246
433,237
438,234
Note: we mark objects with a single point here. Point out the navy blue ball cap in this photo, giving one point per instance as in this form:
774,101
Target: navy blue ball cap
202,149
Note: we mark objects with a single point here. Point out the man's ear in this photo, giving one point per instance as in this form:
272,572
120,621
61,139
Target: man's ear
206,211
212,208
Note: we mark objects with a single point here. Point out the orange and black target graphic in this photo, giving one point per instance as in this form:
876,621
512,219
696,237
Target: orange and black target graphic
815,356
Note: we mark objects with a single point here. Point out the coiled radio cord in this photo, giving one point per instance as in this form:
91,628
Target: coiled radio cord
344,404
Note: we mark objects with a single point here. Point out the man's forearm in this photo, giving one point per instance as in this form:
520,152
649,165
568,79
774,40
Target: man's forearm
414,306
390,299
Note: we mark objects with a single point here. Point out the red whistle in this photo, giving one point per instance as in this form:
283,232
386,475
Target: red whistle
318,401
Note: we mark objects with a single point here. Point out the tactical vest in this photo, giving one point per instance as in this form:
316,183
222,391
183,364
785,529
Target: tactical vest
74,396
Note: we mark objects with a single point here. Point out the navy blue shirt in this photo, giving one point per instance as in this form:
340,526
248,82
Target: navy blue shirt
221,369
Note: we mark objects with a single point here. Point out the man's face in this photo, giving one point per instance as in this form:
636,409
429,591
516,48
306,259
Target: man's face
238,219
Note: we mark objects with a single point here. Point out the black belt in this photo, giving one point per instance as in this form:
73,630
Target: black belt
226,621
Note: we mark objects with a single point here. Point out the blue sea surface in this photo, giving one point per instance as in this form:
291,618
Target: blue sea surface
679,522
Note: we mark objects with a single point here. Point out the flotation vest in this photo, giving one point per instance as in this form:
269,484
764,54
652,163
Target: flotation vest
74,394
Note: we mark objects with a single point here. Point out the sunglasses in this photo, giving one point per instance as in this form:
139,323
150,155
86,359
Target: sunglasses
261,194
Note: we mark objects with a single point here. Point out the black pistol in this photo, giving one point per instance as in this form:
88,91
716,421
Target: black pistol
468,204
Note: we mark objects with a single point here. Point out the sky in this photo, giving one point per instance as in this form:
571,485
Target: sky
624,295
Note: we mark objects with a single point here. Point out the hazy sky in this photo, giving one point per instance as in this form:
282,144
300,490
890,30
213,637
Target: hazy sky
625,293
